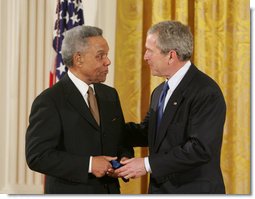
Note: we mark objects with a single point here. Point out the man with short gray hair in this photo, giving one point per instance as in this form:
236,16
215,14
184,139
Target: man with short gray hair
76,127
184,125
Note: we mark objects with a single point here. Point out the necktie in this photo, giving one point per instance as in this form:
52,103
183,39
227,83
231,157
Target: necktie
161,103
93,104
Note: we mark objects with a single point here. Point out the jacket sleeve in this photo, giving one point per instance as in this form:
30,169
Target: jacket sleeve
125,149
42,141
137,133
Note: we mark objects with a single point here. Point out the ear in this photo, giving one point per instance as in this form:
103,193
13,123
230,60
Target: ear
77,59
172,56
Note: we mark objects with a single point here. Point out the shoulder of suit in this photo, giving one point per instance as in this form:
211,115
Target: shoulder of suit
202,85
204,80
51,92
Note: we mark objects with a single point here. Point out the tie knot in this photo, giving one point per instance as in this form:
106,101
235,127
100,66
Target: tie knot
166,87
164,92
90,90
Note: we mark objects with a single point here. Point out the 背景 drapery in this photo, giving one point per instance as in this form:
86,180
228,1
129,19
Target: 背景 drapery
221,32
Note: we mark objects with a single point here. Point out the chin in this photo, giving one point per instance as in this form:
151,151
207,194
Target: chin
153,73
103,80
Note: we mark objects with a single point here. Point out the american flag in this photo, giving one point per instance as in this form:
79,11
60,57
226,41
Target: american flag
69,14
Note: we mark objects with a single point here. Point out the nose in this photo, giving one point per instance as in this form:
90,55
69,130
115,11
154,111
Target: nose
107,61
145,56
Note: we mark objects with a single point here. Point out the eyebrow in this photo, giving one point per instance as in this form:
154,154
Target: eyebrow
99,51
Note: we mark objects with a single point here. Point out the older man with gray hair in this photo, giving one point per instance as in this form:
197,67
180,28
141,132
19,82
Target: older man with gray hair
76,127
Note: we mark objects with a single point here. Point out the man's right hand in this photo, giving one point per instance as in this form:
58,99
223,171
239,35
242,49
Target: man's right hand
101,164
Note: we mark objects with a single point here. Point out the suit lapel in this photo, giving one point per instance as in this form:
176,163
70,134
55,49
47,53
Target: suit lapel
170,110
76,100
172,105
102,105
153,115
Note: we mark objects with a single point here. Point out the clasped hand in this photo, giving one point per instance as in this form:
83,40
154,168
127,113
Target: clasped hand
101,166
133,168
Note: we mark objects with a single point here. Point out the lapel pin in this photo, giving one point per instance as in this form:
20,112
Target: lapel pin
175,103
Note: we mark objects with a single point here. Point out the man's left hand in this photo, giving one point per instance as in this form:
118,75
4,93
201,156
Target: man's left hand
133,168
111,172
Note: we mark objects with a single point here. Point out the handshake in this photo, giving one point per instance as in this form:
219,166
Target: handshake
125,169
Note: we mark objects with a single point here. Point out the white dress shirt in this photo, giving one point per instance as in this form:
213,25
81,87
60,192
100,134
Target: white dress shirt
83,88
173,82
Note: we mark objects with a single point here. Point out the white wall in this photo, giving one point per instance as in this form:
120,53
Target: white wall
26,56
102,13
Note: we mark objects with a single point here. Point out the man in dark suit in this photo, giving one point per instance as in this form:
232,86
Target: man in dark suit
184,124
72,139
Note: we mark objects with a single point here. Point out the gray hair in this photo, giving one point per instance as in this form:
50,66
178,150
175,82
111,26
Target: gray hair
173,35
76,40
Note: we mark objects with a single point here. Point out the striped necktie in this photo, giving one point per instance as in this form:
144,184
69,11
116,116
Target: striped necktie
161,103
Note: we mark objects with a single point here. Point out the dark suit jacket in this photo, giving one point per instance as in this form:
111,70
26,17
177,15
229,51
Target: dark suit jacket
63,134
185,151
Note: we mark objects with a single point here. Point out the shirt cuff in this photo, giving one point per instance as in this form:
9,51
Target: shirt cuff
147,165
90,164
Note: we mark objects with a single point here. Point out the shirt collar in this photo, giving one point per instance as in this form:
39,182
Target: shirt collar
174,81
81,85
